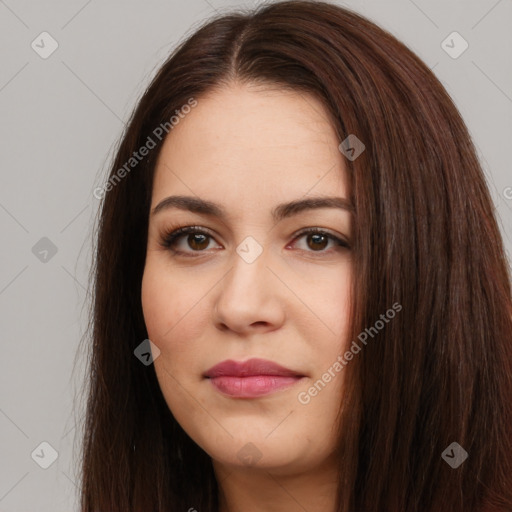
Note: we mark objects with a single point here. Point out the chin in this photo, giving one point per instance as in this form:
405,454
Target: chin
261,453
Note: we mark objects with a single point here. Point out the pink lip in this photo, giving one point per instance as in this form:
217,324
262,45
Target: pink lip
252,378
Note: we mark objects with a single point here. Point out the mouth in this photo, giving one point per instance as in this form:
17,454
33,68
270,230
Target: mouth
252,378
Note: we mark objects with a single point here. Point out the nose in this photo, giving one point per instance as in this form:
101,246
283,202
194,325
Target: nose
250,298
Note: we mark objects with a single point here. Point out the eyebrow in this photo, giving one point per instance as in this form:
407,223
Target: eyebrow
279,212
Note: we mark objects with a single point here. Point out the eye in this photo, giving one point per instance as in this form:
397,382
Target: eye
198,240
317,240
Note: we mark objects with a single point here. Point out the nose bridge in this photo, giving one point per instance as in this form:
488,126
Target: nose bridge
247,293
248,277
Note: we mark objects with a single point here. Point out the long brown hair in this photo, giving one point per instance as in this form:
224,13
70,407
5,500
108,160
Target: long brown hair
425,236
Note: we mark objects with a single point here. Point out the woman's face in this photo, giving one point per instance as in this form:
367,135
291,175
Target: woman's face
251,284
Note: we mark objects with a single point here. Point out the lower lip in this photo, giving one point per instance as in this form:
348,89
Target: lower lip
254,386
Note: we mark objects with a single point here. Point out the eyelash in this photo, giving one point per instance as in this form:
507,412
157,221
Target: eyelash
169,239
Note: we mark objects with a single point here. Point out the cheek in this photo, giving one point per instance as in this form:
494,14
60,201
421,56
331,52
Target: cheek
175,312
339,306
328,301
164,299
173,325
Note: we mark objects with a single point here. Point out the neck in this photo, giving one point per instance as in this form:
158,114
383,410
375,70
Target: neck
250,489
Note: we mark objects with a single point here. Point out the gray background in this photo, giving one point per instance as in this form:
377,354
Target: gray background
60,118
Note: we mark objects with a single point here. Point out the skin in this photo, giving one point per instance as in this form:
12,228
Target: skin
249,148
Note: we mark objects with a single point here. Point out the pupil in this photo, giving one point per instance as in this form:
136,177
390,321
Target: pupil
193,241
317,239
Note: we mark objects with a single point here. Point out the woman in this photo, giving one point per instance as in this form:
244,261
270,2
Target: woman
296,218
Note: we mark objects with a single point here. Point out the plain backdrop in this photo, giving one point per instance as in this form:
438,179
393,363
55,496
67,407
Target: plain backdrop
61,115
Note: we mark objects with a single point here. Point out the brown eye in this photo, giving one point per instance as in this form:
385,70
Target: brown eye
195,240
317,241
198,241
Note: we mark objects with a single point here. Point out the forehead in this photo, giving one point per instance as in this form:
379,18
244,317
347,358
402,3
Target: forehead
243,145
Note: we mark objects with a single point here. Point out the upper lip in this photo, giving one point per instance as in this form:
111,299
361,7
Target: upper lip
249,368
